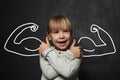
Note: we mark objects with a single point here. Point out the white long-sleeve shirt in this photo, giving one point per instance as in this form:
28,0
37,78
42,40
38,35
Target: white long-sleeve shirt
59,65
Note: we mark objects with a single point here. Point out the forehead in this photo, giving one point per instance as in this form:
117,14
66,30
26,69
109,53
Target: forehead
59,25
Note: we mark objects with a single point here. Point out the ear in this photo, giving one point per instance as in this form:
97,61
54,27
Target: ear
48,35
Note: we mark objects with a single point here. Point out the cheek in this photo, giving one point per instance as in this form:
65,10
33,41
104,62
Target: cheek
54,37
68,36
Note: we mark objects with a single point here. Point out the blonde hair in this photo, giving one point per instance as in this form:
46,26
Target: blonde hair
59,22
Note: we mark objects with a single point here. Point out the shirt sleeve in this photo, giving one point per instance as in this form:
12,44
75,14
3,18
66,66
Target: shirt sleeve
47,69
64,67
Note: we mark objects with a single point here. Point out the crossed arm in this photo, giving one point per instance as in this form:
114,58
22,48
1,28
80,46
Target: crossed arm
47,69
52,66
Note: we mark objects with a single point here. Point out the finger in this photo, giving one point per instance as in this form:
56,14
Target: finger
80,48
47,41
41,44
74,42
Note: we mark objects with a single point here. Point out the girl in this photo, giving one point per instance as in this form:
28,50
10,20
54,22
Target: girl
59,62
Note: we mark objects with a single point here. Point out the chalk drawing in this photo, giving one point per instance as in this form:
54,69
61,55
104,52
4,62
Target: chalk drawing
95,29
34,27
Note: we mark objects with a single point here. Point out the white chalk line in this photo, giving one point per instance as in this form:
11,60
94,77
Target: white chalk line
94,29
33,28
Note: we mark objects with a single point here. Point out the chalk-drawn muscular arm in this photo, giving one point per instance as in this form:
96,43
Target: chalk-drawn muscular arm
17,32
96,29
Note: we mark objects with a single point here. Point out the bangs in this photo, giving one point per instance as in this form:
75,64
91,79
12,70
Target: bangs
56,25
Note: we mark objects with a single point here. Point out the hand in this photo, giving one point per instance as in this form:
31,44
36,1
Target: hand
44,45
76,50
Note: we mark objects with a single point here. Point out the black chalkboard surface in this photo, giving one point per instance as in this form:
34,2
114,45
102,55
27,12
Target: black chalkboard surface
95,27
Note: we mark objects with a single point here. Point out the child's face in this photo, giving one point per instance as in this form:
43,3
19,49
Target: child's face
60,39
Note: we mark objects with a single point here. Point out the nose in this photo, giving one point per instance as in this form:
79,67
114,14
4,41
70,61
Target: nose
61,34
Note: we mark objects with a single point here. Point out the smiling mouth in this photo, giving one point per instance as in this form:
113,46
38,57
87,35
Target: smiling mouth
62,43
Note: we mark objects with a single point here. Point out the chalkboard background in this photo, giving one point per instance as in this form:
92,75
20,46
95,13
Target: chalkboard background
83,13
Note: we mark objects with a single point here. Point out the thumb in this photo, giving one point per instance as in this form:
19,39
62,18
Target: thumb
74,42
47,41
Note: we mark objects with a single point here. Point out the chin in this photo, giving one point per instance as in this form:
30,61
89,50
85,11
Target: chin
62,48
